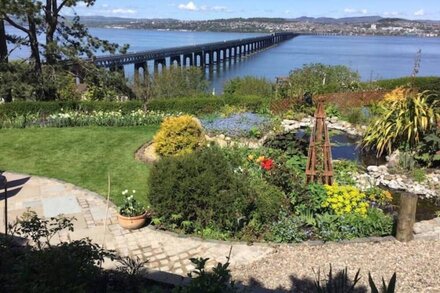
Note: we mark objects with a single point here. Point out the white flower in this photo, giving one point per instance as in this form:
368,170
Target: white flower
134,191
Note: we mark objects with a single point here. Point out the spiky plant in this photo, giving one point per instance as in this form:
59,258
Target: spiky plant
404,123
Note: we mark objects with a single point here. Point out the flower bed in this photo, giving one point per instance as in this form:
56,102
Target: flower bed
238,125
78,119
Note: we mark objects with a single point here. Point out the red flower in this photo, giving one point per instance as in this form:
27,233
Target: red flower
267,164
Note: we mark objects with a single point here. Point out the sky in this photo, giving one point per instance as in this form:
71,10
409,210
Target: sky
212,9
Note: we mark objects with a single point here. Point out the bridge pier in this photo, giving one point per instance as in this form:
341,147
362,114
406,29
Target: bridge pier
161,61
210,56
201,55
176,59
137,67
191,60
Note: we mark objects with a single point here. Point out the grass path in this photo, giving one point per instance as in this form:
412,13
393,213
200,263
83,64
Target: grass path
82,156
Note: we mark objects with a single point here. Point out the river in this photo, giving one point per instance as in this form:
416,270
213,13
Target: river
374,57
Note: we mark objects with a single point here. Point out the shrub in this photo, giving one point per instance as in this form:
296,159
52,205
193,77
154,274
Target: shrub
428,83
320,78
404,123
202,188
269,201
249,85
177,82
178,136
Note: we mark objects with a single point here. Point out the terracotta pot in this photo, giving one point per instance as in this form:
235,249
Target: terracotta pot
132,223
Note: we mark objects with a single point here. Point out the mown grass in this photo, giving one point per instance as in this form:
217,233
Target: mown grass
82,156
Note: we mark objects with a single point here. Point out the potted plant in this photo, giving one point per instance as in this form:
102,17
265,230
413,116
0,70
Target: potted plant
132,215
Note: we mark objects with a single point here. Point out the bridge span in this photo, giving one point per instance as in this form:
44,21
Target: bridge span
196,55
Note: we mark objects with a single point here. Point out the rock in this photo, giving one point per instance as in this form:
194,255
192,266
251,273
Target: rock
372,169
221,136
393,159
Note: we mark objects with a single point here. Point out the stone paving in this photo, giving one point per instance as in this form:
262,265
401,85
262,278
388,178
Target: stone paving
166,252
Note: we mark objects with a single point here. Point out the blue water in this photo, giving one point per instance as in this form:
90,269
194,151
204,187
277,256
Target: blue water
374,57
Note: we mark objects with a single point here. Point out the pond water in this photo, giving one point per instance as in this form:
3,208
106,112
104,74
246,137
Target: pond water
345,147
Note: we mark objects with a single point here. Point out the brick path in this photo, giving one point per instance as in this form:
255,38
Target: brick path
166,252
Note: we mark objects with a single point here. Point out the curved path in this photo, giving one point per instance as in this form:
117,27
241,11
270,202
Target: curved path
165,251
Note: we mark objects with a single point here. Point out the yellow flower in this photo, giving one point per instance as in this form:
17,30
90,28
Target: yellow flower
260,159
250,157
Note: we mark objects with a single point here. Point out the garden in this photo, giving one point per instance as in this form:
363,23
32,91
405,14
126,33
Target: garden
233,167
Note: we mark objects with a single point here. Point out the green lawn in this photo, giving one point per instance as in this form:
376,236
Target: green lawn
82,156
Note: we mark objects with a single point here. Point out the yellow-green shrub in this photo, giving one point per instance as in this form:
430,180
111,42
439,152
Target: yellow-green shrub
345,199
178,136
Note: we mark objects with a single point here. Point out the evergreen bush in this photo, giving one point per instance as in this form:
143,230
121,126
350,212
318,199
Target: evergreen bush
178,136
202,188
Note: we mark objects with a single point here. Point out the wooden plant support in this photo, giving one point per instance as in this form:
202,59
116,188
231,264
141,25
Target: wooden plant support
407,217
319,167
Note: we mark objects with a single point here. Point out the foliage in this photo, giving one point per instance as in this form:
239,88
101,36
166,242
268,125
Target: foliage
428,83
249,85
345,199
428,150
344,171
104,85
338,283
308,200
130,207
378,196
390,288
268,200
288,229
419,175
67,266
405,122
357,115
288,143
331,110
341,283
63,39
19,83
196,105
216,281
200,187
348,226
319,78
82,119
178,82
178,136
237,125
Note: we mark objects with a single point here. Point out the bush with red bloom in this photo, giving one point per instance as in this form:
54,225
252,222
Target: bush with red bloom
267,164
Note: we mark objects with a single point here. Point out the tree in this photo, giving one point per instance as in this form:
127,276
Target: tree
65,39
3,42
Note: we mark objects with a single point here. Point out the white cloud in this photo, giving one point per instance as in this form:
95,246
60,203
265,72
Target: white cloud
355,11
189,6
123,11
420,12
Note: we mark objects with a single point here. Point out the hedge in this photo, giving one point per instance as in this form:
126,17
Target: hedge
197,105
431,83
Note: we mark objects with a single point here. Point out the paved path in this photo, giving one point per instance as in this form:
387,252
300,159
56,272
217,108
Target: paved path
165,251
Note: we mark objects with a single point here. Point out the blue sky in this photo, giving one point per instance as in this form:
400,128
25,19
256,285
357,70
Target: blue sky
210,9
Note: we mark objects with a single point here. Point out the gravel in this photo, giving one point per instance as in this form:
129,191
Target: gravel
416,263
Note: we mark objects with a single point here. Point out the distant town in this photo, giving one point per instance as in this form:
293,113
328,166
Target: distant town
369,25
